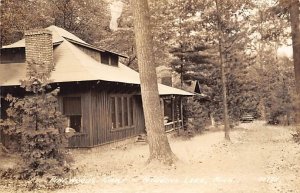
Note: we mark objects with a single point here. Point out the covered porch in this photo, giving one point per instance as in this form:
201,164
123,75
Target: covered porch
172,109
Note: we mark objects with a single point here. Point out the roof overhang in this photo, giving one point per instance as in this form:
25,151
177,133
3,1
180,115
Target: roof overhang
94,48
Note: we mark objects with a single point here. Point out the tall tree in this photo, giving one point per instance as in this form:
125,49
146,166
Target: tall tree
223,26
158,142
270,25
289,9
295,25
223,76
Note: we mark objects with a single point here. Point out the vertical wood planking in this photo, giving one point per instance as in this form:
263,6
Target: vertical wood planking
96,119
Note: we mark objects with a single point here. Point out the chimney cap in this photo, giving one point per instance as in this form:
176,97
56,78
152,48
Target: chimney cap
37,32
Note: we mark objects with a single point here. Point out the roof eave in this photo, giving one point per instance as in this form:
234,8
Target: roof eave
93,47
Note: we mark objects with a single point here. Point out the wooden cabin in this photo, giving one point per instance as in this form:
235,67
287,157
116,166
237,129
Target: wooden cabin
99,95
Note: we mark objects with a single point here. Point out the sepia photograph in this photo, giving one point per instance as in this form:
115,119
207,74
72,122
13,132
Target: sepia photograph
150,96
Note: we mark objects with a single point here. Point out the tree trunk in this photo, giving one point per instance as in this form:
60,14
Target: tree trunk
212,120
158,142
223,77
295,25
262,107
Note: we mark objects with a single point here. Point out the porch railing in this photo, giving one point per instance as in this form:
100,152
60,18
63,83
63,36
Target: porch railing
174,125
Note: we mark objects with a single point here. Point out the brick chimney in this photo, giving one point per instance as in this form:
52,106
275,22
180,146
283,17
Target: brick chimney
39,49
164,75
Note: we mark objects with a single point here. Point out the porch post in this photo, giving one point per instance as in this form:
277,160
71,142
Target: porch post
0,105
162,107
181,112
173,111
0,112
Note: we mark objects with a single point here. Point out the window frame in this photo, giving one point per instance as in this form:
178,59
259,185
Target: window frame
103,56
68,116
167,109
109,58
69,122
119,123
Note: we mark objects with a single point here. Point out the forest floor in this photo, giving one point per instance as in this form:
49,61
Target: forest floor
259,158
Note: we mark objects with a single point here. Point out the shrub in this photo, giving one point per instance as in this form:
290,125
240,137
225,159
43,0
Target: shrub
296,137
196,116
36,125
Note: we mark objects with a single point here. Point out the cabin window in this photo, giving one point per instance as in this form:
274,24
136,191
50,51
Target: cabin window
114,60
109,59
168,110
104,58
72,110
120,112
130,111
113,112
121,108
125,112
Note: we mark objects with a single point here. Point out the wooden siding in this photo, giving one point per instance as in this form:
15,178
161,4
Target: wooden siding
92,53
96,115
96,120
102,120
82,139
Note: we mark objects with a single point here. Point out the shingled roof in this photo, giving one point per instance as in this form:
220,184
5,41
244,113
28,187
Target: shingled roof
73,65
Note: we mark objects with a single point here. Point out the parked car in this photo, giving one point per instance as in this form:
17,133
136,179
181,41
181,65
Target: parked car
273,121
246,118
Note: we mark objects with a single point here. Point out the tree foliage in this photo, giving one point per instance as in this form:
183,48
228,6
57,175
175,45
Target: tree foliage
36,127
88,19
186,36
197,54
278,90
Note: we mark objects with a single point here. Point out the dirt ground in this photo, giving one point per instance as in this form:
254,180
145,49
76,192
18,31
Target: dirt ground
260,158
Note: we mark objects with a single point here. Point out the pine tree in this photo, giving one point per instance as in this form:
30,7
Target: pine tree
198,28
36,125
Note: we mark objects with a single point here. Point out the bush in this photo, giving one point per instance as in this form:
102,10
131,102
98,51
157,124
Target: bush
296,137
36,125
196,116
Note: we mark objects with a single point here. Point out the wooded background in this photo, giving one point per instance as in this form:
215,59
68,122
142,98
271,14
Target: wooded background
188,35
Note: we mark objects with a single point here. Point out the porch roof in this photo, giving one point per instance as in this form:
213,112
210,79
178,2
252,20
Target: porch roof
12,73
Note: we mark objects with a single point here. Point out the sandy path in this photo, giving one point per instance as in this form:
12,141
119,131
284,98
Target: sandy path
259,159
